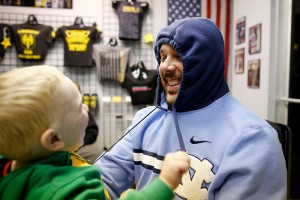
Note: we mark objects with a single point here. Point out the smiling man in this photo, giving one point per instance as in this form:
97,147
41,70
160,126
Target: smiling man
170,71
234,153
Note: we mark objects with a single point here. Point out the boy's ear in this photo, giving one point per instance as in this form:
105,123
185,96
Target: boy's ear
51,140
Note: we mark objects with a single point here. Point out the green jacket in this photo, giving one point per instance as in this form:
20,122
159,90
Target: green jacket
57,178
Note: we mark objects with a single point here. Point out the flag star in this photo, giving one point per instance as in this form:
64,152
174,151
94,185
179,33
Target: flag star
182,9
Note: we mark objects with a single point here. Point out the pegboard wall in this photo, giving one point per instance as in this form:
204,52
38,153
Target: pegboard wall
55,55
115,111
121,110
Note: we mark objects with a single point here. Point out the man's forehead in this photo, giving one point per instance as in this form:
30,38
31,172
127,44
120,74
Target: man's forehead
164,47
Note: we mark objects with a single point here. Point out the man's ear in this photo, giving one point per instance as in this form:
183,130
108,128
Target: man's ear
51,140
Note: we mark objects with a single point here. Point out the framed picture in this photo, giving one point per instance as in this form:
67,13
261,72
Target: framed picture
254,73
255,39
239,61
240,30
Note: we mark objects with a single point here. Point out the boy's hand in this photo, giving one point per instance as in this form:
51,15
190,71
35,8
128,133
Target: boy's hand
174,166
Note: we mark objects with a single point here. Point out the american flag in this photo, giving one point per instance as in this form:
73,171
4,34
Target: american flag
216,10
179,9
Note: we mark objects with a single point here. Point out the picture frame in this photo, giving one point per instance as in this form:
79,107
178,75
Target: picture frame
255,39
239,61
254,73
240,31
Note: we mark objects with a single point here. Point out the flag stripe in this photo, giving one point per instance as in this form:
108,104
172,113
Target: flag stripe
227,36
223,18
219,12
208,11
213,10
203,8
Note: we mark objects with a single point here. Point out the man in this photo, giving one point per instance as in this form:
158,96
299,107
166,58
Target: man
234,153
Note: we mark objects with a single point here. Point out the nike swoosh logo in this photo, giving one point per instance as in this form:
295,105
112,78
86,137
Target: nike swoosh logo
197,142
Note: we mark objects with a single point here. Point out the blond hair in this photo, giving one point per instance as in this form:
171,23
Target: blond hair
26,104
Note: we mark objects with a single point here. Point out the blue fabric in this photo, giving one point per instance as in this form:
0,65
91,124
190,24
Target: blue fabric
201,50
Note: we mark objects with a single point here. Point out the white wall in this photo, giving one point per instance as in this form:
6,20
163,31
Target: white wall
275,16
160,15
89,8
280,48
255,11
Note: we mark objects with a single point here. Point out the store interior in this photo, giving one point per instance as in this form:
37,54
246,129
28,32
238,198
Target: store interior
262,59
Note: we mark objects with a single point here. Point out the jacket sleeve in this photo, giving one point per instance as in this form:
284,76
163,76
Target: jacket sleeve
155,190
252,168
117,167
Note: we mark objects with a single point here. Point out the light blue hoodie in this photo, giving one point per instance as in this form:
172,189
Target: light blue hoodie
235,155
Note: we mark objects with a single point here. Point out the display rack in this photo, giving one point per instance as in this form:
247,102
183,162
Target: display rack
114,111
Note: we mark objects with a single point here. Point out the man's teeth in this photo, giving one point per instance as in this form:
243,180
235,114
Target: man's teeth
174,82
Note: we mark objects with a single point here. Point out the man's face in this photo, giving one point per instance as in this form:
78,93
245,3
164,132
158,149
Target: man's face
74,115
170,70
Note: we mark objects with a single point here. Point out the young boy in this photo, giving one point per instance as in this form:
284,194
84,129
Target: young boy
43,120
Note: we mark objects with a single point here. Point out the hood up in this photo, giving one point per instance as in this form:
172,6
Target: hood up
199,43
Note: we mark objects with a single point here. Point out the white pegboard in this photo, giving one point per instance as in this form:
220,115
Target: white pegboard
113,116
55,56
116,115
142,51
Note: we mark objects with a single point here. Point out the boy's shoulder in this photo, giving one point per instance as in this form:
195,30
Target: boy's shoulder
47,178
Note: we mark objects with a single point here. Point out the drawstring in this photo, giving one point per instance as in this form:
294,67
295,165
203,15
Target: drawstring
179,135
124,135
180,139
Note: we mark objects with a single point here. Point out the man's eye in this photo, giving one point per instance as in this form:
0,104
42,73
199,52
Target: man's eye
162,59
177,57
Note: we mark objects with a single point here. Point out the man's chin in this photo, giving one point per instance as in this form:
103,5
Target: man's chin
171,99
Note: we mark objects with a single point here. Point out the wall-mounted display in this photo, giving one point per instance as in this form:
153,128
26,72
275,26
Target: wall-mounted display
67,4
5,39
239,61
130,14
254,73
32,39
78,42
240,30
141,84
112,62
255,39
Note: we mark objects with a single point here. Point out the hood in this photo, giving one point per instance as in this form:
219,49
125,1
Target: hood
199,43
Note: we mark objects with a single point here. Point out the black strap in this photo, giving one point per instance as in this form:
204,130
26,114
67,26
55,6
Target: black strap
113,42
78,21
32,19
